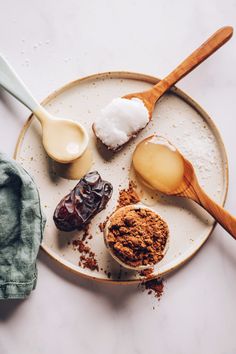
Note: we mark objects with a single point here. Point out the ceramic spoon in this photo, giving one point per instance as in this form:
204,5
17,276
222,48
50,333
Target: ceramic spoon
150,97
185,184
64,140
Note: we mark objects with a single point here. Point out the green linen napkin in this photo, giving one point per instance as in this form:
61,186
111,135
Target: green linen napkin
21,230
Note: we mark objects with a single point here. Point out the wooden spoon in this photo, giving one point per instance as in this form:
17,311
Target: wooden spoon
150,97
187,186
191,189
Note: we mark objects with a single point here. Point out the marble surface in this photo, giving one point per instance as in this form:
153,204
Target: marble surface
51,42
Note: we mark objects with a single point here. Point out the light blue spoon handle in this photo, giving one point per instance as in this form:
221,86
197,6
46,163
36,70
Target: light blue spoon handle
11,82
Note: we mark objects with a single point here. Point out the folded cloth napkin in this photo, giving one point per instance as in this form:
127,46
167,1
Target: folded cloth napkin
21,229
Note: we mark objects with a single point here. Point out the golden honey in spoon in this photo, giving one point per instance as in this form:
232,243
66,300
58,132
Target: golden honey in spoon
159,164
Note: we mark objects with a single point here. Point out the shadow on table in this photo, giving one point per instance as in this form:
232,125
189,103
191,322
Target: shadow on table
116,294
8,307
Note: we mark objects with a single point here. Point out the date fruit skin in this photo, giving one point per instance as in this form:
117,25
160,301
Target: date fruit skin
89,197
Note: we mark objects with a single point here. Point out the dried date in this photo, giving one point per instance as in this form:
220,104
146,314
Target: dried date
88,198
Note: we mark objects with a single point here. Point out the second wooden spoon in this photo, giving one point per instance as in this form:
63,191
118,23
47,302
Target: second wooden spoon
150,97
162,167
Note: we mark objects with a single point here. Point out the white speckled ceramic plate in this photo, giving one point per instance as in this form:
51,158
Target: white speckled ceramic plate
176,117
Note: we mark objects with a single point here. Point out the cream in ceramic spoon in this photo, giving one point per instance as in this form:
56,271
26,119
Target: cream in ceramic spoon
63,139
162,167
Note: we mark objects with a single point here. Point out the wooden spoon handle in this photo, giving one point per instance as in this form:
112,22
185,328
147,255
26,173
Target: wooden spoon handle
197,57
227,221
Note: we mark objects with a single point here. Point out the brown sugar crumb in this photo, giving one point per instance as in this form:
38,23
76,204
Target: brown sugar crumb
89,261
137,236
146,272
155,286
102,226
87,258
86,232
128,196
75,244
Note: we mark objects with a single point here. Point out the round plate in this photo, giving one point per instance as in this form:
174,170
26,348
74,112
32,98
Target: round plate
176,117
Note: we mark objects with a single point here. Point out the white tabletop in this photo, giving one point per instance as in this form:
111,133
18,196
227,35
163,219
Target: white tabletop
51,42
